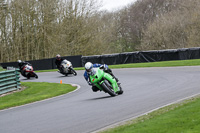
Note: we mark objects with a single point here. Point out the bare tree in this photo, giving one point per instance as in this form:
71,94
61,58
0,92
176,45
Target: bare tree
175,29
135,19
40,29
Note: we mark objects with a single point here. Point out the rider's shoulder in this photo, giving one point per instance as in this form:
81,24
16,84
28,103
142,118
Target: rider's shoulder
96,65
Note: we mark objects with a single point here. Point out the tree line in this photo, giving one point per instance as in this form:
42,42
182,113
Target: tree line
38,29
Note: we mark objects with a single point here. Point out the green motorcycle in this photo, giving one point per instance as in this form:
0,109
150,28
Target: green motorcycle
105,82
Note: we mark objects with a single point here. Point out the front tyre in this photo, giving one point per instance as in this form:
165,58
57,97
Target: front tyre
120,89
35,75
108,89
73,72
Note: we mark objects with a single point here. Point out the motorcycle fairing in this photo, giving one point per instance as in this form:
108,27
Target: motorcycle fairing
97,76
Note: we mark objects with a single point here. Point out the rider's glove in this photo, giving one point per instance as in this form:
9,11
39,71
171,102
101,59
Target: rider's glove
89,83
103,66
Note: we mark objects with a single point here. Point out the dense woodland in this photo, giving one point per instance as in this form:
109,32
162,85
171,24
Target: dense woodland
38,29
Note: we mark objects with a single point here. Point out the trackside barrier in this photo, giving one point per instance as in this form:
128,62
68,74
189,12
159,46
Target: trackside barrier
118,58
9,81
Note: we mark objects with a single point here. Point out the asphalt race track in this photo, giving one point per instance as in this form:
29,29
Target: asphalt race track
85,111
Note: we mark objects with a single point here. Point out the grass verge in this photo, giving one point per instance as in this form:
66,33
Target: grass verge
182,117
1,69
34,92
54,70
193,62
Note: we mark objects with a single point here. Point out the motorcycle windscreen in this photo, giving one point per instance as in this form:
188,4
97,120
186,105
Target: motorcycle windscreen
97,75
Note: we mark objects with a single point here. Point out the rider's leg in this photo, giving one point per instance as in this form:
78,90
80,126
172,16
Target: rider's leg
23,73
108,70
60,70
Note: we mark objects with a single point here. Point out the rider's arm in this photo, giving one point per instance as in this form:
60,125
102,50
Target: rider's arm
97,65
27,63
56,62
104,66
24,63
86,76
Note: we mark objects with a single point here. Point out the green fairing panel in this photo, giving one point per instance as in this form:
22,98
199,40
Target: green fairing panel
97,77
112,81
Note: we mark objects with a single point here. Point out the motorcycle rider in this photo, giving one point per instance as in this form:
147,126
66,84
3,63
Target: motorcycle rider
88,71
58,62
21,65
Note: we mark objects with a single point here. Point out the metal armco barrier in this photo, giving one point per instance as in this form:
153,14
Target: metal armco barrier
9,81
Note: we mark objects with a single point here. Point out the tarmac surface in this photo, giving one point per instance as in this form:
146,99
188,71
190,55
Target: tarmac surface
85,111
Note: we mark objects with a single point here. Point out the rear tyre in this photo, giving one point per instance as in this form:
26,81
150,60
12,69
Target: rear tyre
108,88
28,76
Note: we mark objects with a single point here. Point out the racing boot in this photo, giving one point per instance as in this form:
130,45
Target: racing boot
95,89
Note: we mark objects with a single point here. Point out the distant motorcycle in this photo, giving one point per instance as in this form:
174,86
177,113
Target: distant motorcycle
67,68
27,71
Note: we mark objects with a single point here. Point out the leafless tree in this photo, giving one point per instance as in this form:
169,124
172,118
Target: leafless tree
177,29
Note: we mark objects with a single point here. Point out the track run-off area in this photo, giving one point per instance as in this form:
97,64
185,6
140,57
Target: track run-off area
85,111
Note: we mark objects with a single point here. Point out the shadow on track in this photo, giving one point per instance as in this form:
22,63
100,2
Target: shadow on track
99,98
63,76
27,79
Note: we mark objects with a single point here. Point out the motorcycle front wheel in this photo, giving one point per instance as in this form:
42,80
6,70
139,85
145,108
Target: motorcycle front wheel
73,72
120,89
36,76
108,88
33,74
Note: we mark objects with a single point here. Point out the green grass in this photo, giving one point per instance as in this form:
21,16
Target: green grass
1,69
34,92
54,70
183,117
194,62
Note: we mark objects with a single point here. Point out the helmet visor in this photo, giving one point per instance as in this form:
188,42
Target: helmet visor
89,70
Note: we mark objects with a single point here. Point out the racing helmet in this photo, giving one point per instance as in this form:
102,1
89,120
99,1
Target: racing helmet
19,61
88,67
58,57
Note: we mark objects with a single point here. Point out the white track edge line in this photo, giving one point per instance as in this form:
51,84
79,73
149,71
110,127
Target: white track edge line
123,122
78,87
